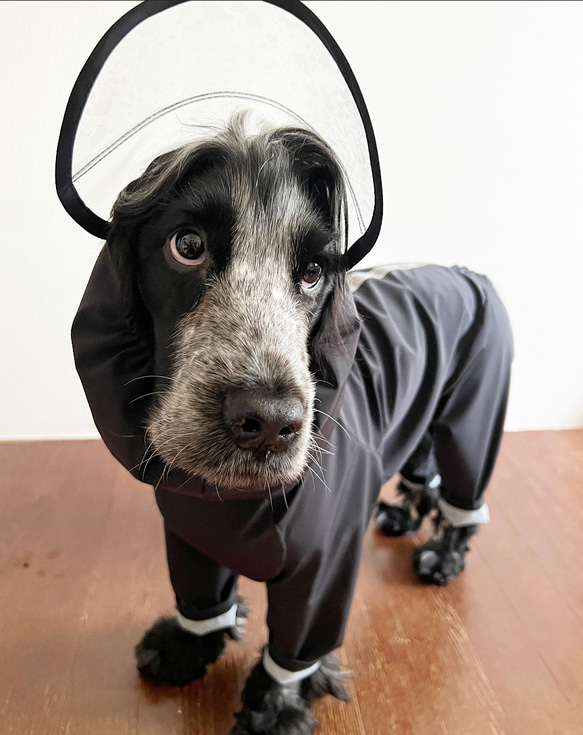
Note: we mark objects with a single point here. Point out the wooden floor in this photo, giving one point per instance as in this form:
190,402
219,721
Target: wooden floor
498,652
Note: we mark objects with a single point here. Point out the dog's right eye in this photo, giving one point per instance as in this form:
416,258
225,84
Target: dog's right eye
188,248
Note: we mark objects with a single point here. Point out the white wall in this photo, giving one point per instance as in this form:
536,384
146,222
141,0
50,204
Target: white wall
478,110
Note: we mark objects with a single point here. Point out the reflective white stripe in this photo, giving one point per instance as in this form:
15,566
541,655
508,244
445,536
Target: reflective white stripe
458,517
355,279
436,482
283,676
210,625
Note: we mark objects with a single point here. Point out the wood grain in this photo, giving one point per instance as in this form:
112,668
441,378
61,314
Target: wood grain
497,652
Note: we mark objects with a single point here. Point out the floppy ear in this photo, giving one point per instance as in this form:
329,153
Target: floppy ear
135,204
122,245
320,174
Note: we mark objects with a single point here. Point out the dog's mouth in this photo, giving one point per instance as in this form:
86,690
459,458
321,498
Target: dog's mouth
230,467
249,439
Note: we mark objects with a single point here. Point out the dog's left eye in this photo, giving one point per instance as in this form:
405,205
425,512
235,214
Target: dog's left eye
312,275
188,247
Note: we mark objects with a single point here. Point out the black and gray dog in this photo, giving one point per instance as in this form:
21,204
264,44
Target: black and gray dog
286,393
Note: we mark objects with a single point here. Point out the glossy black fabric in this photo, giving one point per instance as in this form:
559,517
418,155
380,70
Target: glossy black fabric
427,370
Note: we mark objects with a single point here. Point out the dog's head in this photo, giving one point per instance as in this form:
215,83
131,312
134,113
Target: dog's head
230,255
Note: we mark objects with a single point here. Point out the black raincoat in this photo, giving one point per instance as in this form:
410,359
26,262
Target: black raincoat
422,378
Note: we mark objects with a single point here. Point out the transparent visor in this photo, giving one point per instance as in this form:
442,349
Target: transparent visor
158,81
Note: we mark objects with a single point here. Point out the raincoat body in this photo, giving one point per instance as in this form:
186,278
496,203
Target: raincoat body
420,384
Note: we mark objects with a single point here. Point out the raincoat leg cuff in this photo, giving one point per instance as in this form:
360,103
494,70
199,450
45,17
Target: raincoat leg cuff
283,675
224,621
459,517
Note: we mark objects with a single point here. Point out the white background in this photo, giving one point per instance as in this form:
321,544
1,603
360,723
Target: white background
478,111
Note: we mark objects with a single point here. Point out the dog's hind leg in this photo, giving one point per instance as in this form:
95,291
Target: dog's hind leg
178,650
467,431
442,559
418,489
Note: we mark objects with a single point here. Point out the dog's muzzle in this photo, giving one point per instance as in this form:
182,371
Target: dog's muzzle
262,422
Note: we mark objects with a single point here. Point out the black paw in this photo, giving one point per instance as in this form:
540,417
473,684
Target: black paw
270,708
167,654
328,679
442,559
406,518
394,520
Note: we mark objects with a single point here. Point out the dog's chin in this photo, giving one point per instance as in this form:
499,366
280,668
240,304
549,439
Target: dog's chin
245,469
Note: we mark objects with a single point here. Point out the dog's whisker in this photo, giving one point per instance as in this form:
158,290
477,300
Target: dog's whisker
319,475
317,468
319,478
268,488
147,395
157,485
143,460
318,438
331,418
321,450
143,467
144,377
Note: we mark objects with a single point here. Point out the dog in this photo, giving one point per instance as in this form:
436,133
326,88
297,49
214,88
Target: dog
281,393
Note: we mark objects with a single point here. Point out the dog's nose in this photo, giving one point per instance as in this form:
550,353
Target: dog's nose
261,421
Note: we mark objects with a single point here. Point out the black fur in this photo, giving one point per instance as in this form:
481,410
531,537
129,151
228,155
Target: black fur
269,707
442,559
399,520
167,654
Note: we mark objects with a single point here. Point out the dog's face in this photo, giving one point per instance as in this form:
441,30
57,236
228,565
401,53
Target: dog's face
233,250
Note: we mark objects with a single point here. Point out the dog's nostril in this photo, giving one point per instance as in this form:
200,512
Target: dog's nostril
251,426
263,422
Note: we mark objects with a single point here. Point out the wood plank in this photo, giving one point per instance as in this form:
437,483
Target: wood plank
46,565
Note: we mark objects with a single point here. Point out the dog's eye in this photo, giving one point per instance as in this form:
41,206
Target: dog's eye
188,248
312,275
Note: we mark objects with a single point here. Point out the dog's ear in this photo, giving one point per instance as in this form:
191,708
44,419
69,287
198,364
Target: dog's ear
134,206
320,174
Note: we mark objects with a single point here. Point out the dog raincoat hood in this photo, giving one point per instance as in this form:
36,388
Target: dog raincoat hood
166,72
163,75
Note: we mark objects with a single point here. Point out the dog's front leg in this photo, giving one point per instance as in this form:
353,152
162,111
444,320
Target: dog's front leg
279,702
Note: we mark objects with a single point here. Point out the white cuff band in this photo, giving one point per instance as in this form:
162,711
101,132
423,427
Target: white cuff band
210,625
283,676
458,517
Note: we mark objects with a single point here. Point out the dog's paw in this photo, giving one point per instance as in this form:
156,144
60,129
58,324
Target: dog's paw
442,559
404,519
167,654
270,708
394,520
327,679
